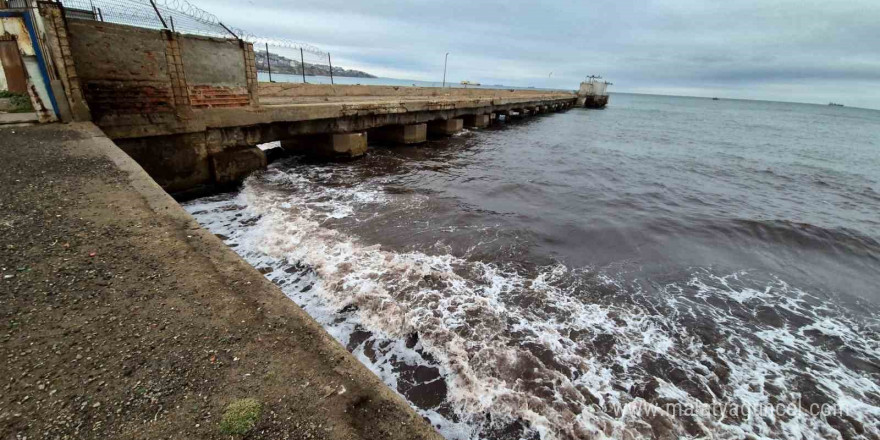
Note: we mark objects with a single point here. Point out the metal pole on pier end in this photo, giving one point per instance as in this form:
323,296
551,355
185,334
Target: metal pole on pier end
302,60
331,68
444,68
268,64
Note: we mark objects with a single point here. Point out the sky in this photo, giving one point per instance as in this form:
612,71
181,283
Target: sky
781,50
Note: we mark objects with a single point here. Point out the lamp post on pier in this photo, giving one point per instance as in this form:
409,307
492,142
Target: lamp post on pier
444,68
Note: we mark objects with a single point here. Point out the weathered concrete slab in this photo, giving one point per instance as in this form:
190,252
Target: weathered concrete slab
18,118
148,325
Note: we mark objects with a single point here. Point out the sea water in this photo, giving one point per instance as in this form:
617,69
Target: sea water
667,267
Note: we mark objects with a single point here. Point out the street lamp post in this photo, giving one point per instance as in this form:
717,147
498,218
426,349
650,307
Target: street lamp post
444,68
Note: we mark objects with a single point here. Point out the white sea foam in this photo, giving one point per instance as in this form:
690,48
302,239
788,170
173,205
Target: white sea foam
269,145
511,345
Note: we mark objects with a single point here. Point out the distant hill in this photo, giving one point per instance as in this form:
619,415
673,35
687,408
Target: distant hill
281,64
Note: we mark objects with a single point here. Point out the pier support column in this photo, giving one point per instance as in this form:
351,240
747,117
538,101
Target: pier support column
233,165
476,121
445,128
401,134
343,145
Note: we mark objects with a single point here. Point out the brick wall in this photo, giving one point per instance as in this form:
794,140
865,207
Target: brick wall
125,71
122,69
216,72
205,96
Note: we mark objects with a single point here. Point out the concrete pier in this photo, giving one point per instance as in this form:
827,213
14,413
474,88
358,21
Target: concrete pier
233,165
400,134
446,127
177,103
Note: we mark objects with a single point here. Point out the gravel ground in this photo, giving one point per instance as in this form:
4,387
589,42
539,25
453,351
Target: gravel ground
122,318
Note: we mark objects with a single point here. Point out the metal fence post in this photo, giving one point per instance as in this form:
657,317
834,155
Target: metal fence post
331,68
228,30
302,60
155,8
268,64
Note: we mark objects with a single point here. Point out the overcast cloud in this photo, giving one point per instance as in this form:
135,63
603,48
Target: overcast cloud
806,51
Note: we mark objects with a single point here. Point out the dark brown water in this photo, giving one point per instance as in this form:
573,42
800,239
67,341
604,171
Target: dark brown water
668,267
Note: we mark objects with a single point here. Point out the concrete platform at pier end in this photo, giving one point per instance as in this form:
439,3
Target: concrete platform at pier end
123,318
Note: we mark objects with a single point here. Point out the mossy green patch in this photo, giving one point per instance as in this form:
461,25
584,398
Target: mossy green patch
240,416
19,103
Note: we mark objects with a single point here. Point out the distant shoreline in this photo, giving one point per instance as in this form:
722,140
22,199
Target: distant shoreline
281,64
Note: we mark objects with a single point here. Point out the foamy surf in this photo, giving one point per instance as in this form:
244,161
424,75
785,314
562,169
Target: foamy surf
486,350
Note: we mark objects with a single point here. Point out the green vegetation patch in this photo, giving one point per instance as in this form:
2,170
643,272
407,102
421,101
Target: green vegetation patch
240,416
18,102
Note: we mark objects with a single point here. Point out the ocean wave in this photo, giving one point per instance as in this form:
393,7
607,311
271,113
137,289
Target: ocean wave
489,350
805,236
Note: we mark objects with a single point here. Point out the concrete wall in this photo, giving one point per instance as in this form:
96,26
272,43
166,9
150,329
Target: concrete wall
216,73
122,69
125,71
